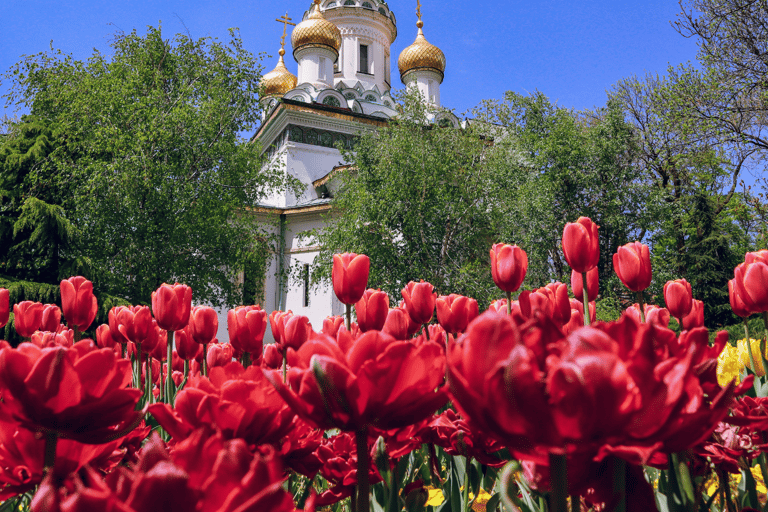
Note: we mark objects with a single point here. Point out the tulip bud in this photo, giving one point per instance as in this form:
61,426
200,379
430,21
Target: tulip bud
737,303
5,308
632,263
27,316
104,337
247,326
350,276
219,354
695,318
509,264
454,312
171,305
592,284
272,358
277,321
372,310
398,324
679,297
186,347
203,324
581,245
331,325
135,324
51,318
420,301
297,331
751,281
78,302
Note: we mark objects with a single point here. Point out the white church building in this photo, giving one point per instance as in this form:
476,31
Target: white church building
341,89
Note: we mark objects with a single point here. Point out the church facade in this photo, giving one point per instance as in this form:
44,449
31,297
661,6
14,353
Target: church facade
341,89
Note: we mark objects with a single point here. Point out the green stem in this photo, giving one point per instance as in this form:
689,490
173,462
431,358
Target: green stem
246,359
749,347
363,463
726,486
575,503
509,303
78,334
559,483
642,306
285,367
348,321
762,344
205,360
465,494
141,381
426,331
150,396
620,483
683,477
585,297
49,459
169,371
186,369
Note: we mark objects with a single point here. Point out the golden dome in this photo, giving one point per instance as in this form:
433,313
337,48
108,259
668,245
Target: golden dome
279,80
316,31
421,55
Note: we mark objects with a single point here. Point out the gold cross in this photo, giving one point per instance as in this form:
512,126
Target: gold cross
418,9
285,20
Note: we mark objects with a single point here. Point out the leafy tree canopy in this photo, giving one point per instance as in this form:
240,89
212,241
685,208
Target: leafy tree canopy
142,154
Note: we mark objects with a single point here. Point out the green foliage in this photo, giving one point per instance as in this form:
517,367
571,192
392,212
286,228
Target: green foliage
147,161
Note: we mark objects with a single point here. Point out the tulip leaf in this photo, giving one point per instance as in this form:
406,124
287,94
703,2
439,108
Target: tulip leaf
493,502
748,490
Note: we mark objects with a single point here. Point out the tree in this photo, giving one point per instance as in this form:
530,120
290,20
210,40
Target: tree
560,165
150,159
422,203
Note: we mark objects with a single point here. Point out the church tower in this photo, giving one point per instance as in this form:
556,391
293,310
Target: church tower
316,42
422,65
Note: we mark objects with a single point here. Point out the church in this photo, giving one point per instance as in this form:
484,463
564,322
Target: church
341,89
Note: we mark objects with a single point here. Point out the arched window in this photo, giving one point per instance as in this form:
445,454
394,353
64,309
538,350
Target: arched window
331,101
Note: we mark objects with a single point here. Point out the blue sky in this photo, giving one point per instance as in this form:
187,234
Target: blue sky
571,51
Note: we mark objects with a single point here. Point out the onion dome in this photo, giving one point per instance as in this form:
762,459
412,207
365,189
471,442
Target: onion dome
278,81
421,55
316,31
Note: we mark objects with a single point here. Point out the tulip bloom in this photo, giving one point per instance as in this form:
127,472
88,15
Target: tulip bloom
653,314
552,301
679,298
399,325
172,305
186,347
350,276
372,310
27,316
296,332
5,308
247,326
592,284
104,337
372,381
203,324
50,320
751,281
135,324
454,312
219,354
277,320
272,358
82,393
738,305
695,318
632,263
78,302
420,301
332,324
581,244
509,264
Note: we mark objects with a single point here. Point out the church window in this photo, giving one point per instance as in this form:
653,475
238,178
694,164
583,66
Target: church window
382,11
349,95
330,4
331,101
367,5
370,97
349,2
364,59
444,123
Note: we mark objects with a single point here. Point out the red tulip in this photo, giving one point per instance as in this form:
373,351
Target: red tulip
738,305
50,319
552,301
203,324
509,264
452,433
331,325
27,316
277,320
171,305
47,339
696,317
398,324
454,312
678,297
272,358
186,347
238,403
752,257
82,393
78,302
581,244
112,318
653,314
372,310
420,301
296,332
350,276
5,308
219,354
247,326
104,337
632,263
592,284
135,324
158,340
751,281
373,380
338,456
